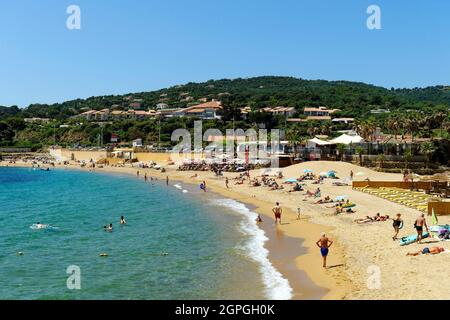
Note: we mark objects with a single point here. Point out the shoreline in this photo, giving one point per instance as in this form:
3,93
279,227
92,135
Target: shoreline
300,262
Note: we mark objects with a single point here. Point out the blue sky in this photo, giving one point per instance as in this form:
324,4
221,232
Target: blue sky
137,45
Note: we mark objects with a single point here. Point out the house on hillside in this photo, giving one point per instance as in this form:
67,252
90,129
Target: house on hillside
380,111
280,111
320,113
37,120
343,120
205,111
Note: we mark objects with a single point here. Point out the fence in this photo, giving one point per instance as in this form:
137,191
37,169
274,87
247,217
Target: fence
423,185
15,150
440,208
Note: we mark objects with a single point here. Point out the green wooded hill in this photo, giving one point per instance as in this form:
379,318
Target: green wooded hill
353,98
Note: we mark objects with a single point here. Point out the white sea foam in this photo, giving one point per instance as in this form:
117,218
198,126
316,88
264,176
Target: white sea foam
185,191
178,186
277,287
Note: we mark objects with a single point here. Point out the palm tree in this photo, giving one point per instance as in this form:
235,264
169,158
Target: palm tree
412,124
360,150
341,148
312,131
381,158
427,148
439,119
393,125
407,155
446,126
294,137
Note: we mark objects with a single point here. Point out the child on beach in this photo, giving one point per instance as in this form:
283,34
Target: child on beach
324,244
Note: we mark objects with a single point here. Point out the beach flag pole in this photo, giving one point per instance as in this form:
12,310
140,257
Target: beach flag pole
434,218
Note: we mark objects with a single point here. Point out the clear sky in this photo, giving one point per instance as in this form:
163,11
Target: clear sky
140,45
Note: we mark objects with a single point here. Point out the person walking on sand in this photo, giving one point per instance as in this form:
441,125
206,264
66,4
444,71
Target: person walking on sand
351,174
167,180
324,244
397,224
145,176
277,211
226,182
419,224
137,173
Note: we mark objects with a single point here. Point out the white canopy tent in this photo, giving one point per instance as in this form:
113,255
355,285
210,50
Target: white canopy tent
347,139
313,143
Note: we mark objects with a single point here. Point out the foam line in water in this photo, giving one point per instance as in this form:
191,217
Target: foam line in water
177,186
277,287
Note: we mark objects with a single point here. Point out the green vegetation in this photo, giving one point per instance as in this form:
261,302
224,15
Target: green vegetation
418,112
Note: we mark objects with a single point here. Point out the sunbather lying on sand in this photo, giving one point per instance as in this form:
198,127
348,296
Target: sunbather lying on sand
432,250
296,188
375,218
327,199
339,184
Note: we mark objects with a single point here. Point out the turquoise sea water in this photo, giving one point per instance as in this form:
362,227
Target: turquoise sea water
214,249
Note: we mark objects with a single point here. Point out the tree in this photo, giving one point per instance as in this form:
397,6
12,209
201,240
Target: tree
341,148
360,150
407,155
412,124
294,137
381,158
427,148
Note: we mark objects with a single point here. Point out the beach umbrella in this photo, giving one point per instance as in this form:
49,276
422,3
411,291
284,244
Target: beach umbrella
307,170
291,180
323,174
338,198
331,171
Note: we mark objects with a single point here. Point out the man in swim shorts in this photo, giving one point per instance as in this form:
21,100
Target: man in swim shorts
432,250
324,243
277,211
419,224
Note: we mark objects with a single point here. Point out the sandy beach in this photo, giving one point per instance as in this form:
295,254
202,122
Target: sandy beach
359,253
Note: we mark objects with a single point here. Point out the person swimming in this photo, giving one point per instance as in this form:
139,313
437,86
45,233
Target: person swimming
108,228
39,225
122,220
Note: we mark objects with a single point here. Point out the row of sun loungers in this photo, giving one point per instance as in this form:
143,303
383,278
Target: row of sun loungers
413,199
